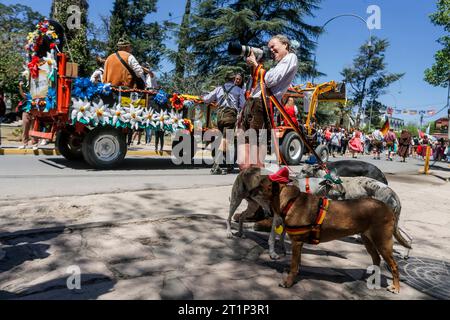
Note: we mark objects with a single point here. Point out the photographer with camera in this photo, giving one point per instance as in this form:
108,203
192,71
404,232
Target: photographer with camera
230,100
276,81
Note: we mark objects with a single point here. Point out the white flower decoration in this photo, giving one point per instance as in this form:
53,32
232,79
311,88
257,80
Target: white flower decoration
100,113
50,63
176,121
148,118
162,119
119,114
81,110
134,116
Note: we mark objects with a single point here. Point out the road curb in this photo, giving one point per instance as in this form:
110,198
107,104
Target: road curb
54,152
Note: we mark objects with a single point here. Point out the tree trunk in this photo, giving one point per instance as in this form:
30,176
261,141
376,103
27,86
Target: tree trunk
183,43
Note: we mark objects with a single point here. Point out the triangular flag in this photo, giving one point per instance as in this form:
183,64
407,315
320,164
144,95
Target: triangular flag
385,127
428,131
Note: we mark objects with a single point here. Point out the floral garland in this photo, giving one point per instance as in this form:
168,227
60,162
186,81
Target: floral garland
35,40
131,117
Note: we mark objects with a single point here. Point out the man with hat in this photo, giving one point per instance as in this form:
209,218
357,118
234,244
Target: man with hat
122,68
230,99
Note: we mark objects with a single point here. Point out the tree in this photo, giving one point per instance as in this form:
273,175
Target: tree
368,76
16,21
183,42
439,73
76,36
251,22
128,20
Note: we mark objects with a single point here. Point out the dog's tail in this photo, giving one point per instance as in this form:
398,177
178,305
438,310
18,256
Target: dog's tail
397,235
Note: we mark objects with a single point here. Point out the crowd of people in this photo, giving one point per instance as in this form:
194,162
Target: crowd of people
353,142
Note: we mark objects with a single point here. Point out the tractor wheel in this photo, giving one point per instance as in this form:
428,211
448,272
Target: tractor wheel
292,148
69,145
104,148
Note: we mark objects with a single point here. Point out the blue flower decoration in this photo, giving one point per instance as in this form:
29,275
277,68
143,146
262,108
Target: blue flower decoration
161,97
50,99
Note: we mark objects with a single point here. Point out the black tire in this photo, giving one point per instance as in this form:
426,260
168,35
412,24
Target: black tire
104,148
292,148
69,145
323,152
193,147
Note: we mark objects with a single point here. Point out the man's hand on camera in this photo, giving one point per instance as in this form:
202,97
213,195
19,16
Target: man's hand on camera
251,60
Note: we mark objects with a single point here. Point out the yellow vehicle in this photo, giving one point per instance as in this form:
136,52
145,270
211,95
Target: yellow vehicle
291,146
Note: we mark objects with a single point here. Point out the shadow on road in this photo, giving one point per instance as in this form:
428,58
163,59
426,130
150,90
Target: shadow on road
133,164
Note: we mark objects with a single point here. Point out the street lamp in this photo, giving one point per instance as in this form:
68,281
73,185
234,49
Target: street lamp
322,28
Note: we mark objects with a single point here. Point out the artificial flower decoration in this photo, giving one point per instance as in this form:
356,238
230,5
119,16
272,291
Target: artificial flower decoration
100,113
50,100
134,116
188,104
148,118
81,111
161,98
162,120
50,65
33,66
176,120
119,118
188,124
177,102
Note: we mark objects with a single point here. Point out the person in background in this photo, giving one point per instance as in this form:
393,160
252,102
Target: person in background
291,110
377,142
389,138
2,105
404,144
97,76
230,99
355,144
335,142
27,121
122,68
344,142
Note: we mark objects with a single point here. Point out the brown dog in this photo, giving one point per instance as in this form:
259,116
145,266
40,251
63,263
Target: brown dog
370,218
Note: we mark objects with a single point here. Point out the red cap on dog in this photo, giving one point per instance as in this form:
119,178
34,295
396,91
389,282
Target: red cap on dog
281,176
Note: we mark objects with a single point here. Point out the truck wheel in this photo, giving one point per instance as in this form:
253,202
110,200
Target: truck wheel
69,145
292,148
323,152
104,148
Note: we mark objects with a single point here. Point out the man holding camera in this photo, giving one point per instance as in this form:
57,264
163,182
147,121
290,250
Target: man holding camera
277,80
230,100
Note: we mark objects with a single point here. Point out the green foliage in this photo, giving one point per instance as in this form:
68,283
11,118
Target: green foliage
128,20
76,38
251,22
16,21
368,77
439,73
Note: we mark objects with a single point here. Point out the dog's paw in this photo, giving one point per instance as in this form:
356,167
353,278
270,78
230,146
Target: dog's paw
229,234
274,256
240,235
393,289
286,282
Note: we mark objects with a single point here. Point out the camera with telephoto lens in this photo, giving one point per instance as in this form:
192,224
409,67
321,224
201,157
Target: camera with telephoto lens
235,48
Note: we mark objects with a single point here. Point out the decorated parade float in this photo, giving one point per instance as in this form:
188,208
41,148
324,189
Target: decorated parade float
91,121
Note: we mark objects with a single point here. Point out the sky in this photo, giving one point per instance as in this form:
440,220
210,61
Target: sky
405,23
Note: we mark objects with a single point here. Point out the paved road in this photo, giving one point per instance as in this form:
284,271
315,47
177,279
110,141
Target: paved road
42,176
152,230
